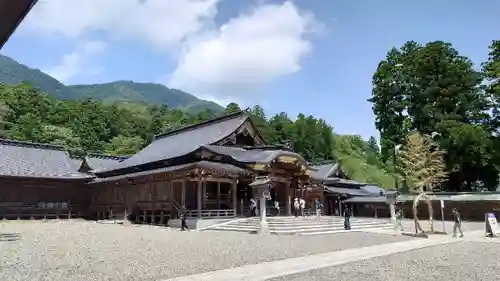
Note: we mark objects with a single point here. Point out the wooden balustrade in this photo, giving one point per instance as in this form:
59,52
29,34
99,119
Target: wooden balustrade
210,213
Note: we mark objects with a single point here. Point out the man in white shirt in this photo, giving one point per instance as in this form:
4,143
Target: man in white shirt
302,206
296,206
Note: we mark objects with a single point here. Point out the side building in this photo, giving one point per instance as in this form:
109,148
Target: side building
335,188
40,181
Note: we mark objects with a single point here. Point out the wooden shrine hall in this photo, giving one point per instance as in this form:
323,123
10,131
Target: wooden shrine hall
205,169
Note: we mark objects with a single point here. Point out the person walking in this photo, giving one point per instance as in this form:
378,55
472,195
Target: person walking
319,208
296,206
457,225
302,203
347,218
277,207
399,220
253,207
183,217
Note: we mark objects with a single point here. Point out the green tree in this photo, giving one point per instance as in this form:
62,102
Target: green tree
28,128
122,145
423,163
232,107
491,69
4,112
426,88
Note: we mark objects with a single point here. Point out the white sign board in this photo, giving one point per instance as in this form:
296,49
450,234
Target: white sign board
442,204
492,227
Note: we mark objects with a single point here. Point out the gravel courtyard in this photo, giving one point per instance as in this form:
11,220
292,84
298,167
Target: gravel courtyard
463,260
78,250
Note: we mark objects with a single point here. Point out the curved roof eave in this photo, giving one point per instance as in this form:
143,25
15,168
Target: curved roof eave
12,14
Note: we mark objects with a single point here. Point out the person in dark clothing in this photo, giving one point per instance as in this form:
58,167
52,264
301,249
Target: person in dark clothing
183,217
347,218
457,225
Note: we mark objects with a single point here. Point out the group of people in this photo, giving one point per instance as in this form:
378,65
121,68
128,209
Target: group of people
299,207
457,221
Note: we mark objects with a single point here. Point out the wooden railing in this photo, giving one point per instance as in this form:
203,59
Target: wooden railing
210,213
38,210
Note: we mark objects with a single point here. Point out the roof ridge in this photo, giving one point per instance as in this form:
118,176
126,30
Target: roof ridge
201,124
106,156
268,147
32,144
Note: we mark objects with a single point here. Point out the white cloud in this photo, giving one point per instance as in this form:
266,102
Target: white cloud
73,63
246,52
159,22
230,62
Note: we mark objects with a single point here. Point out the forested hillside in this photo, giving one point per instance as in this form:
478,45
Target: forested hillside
124,128
14,73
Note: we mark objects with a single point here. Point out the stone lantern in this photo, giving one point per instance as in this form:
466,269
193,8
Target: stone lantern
262,187
392,199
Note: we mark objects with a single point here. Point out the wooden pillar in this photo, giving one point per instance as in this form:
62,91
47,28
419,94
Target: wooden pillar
154,193
162,217
183,194
204,195
289,199
199,197
234,191
144,216
218,195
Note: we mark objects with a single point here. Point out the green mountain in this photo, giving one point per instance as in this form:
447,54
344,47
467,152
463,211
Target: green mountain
12,72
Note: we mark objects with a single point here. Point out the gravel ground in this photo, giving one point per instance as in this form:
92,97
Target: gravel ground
456,261
88,251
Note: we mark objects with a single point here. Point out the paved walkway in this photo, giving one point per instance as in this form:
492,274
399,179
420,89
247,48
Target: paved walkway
263,271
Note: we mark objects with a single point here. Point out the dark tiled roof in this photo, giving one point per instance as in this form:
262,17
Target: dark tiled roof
324,171
221,167
372,189
366,199
77,163
332,181
251,155
346,191
101,161
24,159
185,140
11,15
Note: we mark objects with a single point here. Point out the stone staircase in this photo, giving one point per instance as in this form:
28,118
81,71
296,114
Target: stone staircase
304,225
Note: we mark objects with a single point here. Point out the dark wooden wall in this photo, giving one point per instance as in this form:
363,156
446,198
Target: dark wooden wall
26,198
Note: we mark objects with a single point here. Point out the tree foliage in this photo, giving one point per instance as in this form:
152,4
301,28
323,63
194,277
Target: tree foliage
433,90
123,128
423,163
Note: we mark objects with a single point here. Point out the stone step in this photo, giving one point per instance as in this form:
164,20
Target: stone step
310,222
305,231
305,226
236,229
353,228
324,218
327,228
271,225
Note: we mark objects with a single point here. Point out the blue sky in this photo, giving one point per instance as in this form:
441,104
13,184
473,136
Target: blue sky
317,57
